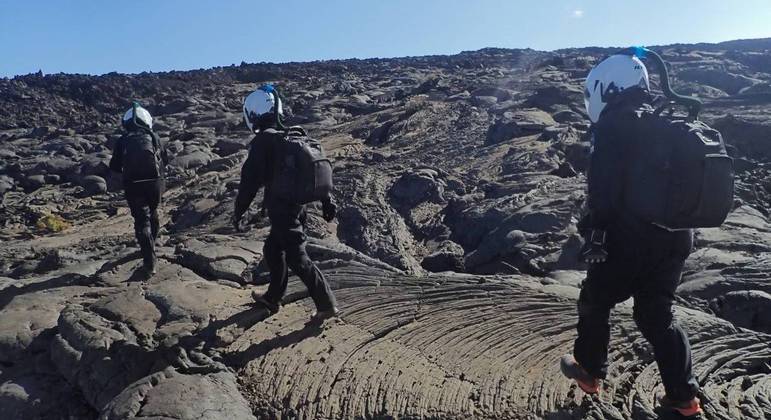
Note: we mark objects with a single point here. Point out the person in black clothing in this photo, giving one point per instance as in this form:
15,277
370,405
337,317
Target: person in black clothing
141,157
627,257
285,246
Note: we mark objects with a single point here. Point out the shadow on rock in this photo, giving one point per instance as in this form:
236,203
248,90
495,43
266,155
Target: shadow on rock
257,350
138,275
71,279
223,332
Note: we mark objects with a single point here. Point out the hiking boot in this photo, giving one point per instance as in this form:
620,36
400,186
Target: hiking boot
689,408
571,369
268,304
322,315
149,266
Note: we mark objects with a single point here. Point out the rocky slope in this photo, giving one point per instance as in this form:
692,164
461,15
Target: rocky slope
460,180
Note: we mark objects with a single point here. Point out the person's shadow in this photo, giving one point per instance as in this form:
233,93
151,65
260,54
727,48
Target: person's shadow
240,359
221,333
139,275
236,324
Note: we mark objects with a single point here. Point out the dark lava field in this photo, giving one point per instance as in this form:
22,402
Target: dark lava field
459,180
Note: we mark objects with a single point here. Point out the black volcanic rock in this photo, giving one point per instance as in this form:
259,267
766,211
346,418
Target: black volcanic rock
459,183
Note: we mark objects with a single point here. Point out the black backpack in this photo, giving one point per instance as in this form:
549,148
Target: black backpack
679,175
141,157
301,171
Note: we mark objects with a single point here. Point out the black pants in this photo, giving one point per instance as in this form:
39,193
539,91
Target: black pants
648,269
143,199
285,248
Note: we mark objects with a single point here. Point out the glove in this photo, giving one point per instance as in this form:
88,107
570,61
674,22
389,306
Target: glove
328,210
593,251
236,221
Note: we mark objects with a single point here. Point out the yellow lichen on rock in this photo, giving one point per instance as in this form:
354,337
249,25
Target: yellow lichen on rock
52,223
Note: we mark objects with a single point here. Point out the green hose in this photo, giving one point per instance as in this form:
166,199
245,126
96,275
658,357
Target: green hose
693,104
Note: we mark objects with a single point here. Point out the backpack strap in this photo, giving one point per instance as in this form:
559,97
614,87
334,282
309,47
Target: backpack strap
157,142
668,106
295,129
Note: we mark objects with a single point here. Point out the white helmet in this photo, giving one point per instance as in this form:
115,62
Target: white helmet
611,76
143,116
260,102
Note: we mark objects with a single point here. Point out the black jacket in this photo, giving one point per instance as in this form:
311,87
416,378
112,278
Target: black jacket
257,169
257,172
116,162
614,137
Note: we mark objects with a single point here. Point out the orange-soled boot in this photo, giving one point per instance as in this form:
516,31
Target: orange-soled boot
571,369
689,408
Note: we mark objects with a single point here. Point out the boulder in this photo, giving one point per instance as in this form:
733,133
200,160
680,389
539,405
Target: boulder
192,159
502,131
756,89
93,185
219,259
500,245
701,91
173,395
718,78
40,395
6,184
94,165
33,182
498,93
519,123
559,94
747,309
448,257
40,132
227,147
484,101
752,136
58,166
52,179
568,116
415,187
28,320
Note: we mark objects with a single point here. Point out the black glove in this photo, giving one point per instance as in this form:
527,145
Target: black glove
328,210
236,221
593,251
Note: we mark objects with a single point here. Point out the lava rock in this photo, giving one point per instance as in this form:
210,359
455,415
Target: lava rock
747,309
415,187
449,257
519,123
192,159
498,93
718,78
94,185
34,182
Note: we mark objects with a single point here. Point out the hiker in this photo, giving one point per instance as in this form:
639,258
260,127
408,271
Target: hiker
636,244
141,157
294,172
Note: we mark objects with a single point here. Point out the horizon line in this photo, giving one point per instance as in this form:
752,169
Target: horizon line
342,59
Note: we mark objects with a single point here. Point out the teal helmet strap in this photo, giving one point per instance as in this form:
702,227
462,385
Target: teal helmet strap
134,106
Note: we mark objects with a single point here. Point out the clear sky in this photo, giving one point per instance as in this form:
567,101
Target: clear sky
99,36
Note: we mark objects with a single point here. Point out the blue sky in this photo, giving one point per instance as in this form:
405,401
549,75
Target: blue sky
100,36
